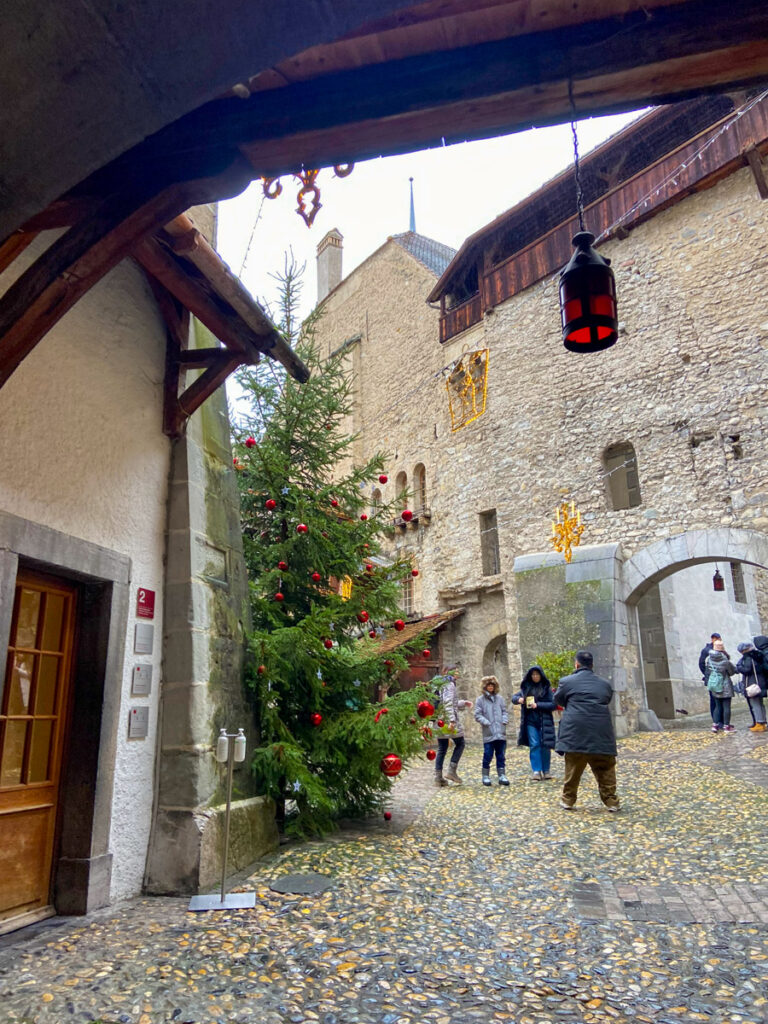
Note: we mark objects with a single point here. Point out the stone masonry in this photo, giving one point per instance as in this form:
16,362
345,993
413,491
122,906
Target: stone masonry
685,385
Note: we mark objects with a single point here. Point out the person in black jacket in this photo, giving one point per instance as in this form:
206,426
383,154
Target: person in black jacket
586,735
703,669
537,727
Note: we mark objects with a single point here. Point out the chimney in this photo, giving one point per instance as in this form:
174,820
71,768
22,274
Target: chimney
329,251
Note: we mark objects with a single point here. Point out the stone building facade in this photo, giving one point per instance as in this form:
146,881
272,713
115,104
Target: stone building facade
684,386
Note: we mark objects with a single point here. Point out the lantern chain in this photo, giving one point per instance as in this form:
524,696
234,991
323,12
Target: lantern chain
576,165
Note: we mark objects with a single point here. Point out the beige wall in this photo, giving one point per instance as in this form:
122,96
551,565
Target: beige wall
691,360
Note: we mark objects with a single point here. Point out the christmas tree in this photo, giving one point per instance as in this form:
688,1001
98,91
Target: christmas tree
321,594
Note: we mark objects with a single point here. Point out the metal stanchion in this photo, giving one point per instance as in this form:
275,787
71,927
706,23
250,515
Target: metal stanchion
230,752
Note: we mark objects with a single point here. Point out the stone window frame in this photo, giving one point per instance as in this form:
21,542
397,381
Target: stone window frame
420,486
376,500
622,480
489,542
401,483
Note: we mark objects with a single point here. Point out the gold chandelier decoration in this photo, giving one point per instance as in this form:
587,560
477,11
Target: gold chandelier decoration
309,190
567,529
467,386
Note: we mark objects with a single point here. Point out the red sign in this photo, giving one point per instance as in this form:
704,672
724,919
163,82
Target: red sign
145,603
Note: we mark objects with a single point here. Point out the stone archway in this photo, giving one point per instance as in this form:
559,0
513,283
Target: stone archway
496,661
638,598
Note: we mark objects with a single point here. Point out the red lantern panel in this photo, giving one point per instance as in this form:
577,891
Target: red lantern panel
588,299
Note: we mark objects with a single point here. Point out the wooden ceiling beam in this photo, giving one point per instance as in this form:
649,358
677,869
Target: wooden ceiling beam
87,251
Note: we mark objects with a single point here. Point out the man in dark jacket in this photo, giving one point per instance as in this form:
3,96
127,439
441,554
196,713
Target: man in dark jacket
702,669
586,734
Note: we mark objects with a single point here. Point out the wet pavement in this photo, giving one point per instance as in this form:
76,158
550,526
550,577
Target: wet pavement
472,904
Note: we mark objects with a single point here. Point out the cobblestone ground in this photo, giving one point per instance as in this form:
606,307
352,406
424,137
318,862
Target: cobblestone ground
471,905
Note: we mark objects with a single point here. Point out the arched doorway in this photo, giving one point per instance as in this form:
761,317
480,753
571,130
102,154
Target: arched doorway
672,608
496,662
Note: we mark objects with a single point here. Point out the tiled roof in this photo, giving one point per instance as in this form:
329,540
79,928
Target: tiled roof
431,624
431,254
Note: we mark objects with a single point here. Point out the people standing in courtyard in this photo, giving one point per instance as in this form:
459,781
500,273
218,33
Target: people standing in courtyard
754,683
703,669
719,671
491,713
586,735
537,726
451,706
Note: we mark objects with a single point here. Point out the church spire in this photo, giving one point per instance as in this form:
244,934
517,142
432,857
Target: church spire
412,226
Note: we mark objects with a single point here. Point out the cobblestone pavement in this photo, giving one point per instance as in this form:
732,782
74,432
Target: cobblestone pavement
471,905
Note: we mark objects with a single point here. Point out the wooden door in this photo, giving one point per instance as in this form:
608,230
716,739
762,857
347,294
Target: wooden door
33,718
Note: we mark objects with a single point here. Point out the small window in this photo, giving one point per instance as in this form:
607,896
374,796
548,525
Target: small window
375,501
489,543
420,487
406,599
401,483
622,480
737,577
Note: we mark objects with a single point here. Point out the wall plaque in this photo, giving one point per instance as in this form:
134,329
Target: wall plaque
144,640
145,603
141,685
138,724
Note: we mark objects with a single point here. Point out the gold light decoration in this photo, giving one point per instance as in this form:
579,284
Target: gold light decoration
567,529
272,188
466,386
345,588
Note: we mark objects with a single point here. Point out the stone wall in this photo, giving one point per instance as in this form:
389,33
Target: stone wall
685,385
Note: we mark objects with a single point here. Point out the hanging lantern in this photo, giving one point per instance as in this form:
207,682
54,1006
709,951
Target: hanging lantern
587,284
588,299
718,583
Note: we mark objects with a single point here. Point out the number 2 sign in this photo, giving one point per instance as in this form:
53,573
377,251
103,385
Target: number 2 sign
145,603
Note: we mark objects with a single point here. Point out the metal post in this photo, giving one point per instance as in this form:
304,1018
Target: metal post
235,745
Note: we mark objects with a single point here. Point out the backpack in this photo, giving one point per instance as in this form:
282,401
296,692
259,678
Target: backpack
715,681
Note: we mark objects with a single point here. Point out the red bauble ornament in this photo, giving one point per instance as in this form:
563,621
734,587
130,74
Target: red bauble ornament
270,503
316,577
301,528
391,765
387,815
440,723
363,616
426,653
250,442
334,503
431,755
316,718
424,709
363,517
414,572
406,515
399,625
264,534
368,567
262,669
372,634
383,478
366,545
279,596
328,644
389,663
282,565
413,720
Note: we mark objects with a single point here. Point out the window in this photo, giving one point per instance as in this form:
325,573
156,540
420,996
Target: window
401,483
489,543
737,577
375,501
406,600
420,487
622,480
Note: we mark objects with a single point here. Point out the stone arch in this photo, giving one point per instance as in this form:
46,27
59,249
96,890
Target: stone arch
665,557
496,661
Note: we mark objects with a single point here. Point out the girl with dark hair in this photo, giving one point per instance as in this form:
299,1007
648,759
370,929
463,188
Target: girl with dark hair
537,726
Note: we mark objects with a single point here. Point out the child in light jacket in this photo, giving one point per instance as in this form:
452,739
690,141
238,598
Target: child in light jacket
491,713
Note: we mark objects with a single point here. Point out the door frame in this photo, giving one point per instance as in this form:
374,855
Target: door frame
82,865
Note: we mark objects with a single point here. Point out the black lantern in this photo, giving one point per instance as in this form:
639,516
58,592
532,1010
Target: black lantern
588,299
587,284
718,583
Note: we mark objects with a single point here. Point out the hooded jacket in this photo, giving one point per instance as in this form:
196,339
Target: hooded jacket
449,698
491,713
586,726
719,672
541,715
750,664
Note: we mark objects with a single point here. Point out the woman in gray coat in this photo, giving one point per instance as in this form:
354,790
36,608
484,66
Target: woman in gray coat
491,713
719,671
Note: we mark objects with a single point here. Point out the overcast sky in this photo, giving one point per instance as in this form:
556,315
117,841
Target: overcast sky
457,189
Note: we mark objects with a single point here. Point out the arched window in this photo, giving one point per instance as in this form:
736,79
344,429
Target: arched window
622,480
420,487
401,483
375,501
